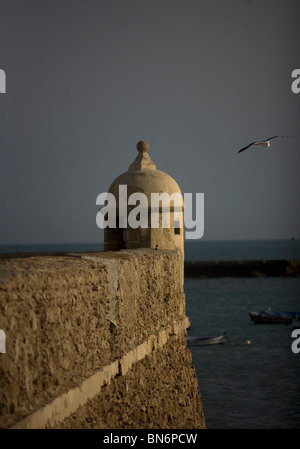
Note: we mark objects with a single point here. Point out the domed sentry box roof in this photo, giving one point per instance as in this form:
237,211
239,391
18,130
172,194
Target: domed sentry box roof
162,225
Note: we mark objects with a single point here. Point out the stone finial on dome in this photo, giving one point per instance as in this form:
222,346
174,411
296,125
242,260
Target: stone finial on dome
143,160
142,146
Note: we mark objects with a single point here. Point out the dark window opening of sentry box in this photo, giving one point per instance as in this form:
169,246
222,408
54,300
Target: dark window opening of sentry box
177,227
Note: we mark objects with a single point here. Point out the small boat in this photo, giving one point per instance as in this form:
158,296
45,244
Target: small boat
270,316
207,340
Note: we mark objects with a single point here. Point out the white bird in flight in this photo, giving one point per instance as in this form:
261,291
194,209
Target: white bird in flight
265,143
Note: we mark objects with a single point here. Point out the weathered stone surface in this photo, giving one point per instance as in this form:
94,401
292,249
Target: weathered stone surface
159,392
162,216
68,316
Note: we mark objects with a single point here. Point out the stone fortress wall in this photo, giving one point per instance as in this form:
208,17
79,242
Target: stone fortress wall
96,340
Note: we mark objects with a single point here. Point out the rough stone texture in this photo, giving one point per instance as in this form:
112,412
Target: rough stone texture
159,392
67,316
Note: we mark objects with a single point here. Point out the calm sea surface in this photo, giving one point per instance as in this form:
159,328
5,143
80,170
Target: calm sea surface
194,250
243,386
254,386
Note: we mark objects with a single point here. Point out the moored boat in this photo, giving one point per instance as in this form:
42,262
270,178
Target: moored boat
270,316
201,340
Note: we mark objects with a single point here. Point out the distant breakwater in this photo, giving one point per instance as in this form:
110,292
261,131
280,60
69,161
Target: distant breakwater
242,268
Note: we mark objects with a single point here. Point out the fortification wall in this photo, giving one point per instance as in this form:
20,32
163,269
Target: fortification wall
96,340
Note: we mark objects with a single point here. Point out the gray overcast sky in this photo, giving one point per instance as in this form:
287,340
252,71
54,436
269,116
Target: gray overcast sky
197,79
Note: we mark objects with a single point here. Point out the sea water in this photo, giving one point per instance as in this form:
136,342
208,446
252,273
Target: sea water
194,249
246,386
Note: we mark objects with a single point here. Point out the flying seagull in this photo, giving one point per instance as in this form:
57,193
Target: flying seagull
265,143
